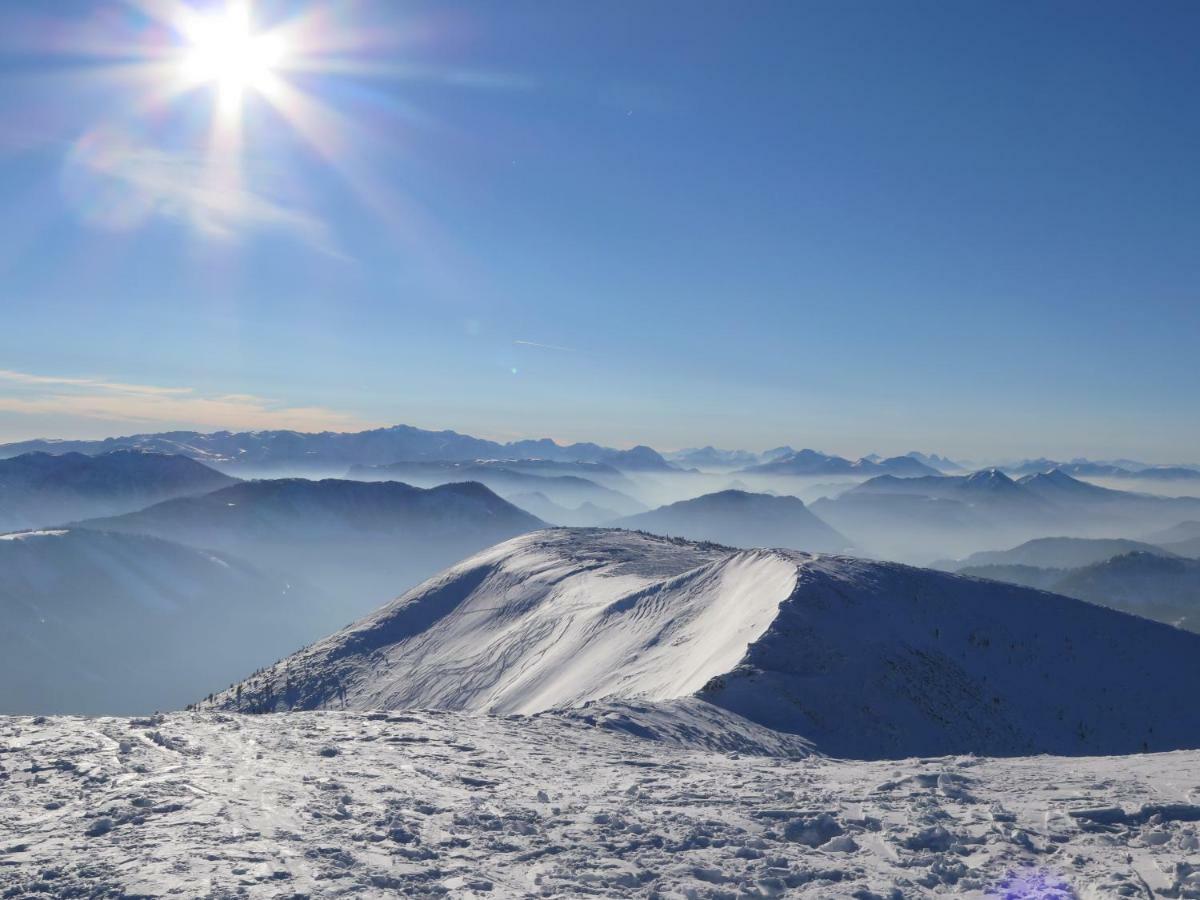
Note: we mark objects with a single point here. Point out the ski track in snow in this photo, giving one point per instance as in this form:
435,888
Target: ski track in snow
353,804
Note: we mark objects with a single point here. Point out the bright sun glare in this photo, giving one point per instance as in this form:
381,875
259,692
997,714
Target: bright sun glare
225,49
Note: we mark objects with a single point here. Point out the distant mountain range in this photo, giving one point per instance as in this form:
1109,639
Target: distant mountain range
360,542
1182,539
1150,583
712,458
1151,580
122,624
788,461
906,517
332,452
1088,469
586,513
1057,553
938,463
515,477
741,519
126,560
1184,531
133,612
863,659
1154,585
811,462
991,484
42,489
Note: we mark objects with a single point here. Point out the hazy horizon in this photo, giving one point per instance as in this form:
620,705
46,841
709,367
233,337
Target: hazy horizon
795,443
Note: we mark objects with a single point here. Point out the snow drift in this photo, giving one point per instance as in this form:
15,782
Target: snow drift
864,659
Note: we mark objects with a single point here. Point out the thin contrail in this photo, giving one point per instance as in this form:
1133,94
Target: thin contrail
546,346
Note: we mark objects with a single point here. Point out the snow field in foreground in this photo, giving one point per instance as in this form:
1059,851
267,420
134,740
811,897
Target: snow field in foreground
442,804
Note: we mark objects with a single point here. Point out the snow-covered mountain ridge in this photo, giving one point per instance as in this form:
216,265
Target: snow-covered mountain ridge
865,659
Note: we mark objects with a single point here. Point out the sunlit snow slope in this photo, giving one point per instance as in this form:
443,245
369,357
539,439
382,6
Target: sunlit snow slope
865,659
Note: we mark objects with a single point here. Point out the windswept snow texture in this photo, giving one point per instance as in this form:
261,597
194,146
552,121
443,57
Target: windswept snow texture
117,623
439,804
864,659
742,519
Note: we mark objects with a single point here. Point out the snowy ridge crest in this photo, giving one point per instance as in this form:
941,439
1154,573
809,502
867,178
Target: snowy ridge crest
863,659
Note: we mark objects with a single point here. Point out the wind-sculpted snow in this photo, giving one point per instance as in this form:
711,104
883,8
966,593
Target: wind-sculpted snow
440,804
861,658
557,620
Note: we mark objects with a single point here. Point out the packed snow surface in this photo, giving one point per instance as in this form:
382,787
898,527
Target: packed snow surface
865,659
433,804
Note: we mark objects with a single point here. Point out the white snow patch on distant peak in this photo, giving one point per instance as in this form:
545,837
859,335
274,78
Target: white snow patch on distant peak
22,535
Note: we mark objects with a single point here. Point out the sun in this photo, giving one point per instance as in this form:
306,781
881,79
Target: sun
233,73
225,50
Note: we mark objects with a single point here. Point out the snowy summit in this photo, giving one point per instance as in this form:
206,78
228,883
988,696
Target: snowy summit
863,659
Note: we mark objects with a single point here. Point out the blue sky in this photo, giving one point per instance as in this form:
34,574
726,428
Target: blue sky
965,227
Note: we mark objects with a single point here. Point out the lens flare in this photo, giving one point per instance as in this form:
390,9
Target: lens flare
223,98
1033,884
